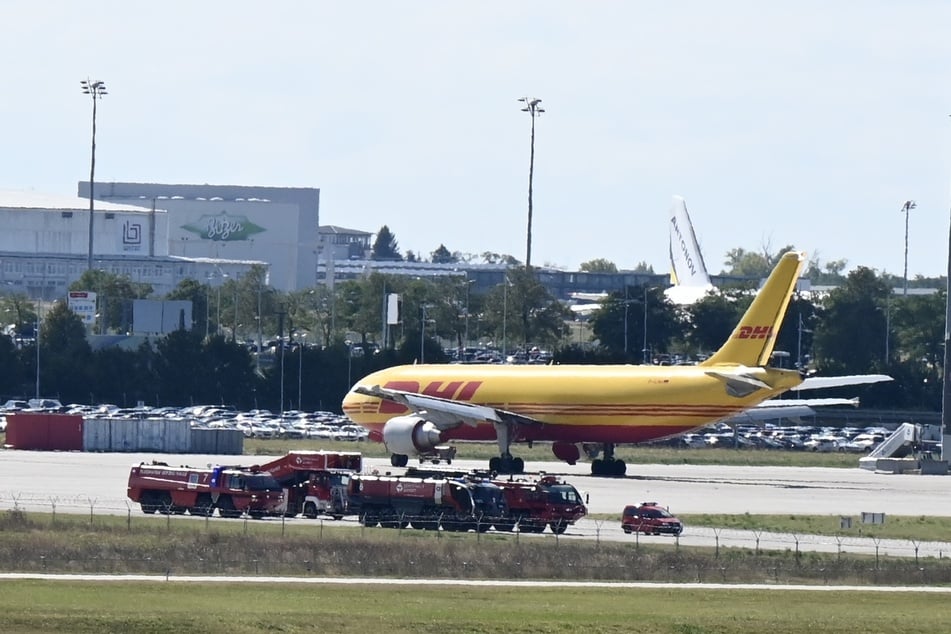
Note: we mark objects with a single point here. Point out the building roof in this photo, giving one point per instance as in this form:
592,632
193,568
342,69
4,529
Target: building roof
342,230
15,199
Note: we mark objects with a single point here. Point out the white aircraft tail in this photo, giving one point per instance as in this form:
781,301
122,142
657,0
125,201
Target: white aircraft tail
686,261
688,272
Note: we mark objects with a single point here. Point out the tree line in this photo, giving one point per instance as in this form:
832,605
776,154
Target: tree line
252,346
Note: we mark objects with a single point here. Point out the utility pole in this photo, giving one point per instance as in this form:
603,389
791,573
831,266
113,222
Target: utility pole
905,208
534,109
96,89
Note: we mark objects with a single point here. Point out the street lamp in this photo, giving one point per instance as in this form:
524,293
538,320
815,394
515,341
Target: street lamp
422,336
905,208
300,368
36,341
534,109
645,350
349,362
96,89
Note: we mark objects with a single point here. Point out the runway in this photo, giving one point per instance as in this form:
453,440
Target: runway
74,482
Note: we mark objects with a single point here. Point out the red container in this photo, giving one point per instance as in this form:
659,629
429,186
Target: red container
45,432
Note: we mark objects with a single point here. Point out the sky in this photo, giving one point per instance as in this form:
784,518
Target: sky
805,123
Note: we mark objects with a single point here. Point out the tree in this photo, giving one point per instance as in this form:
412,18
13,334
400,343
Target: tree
712,318
598,265
18,311
663,323
385,246
114,294
442,256
742,263
65,354
850,335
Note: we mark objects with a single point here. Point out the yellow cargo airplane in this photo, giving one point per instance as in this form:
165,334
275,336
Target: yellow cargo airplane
415,408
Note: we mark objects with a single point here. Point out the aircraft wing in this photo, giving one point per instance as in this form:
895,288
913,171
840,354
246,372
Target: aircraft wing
446,413
820,382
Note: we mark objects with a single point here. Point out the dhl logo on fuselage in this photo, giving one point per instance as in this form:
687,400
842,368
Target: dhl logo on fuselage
755,332
452,390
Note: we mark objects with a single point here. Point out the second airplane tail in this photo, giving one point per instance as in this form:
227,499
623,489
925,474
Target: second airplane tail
686,261
752,341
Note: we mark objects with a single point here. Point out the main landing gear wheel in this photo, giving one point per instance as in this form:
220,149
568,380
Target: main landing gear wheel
507,465
608,467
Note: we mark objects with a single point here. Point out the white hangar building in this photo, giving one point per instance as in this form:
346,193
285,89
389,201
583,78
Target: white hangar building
277,225
44,245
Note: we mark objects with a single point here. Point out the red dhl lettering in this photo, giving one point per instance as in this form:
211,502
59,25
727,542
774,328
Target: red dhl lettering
452,390
755,332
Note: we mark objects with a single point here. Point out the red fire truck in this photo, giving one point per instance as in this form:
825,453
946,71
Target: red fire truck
156,486
535,503
315,482
455,504
532,503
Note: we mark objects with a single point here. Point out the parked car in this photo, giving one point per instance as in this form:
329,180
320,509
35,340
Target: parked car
650,518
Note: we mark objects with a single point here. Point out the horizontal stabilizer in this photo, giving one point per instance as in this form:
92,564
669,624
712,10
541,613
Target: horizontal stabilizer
820,382
739,385
810,402
755,414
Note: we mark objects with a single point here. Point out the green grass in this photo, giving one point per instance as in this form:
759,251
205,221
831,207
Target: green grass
542,452
229,608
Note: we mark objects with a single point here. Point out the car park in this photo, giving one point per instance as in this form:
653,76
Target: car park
650,518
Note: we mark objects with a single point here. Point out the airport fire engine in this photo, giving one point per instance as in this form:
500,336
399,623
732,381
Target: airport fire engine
315,482
156,486
535,503
455,504
532,502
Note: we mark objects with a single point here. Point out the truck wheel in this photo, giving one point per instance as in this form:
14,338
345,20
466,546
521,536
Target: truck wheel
559,528
203,506
149,503
226,507
164,502
310,510
506,525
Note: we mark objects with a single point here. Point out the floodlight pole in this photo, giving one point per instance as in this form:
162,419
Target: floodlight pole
534,109
905,208
96,89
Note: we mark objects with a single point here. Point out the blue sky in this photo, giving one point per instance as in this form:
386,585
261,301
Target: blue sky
784,123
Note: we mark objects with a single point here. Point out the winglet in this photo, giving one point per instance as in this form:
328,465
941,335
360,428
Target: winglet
753,339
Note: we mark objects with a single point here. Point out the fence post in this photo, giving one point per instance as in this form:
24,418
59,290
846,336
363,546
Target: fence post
53,516
92,506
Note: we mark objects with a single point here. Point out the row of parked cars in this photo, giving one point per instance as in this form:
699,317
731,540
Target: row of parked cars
257,423
795,438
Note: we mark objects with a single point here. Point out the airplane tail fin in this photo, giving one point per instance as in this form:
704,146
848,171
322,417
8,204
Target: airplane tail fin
752,341
686,261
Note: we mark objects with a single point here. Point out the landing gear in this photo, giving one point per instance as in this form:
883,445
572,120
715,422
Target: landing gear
609,466
505,462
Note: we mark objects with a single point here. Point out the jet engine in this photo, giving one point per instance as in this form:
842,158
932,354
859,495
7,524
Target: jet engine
410,435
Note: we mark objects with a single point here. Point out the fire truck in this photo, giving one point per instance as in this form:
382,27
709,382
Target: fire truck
315,482
536,503
156,486
532,502
428,503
